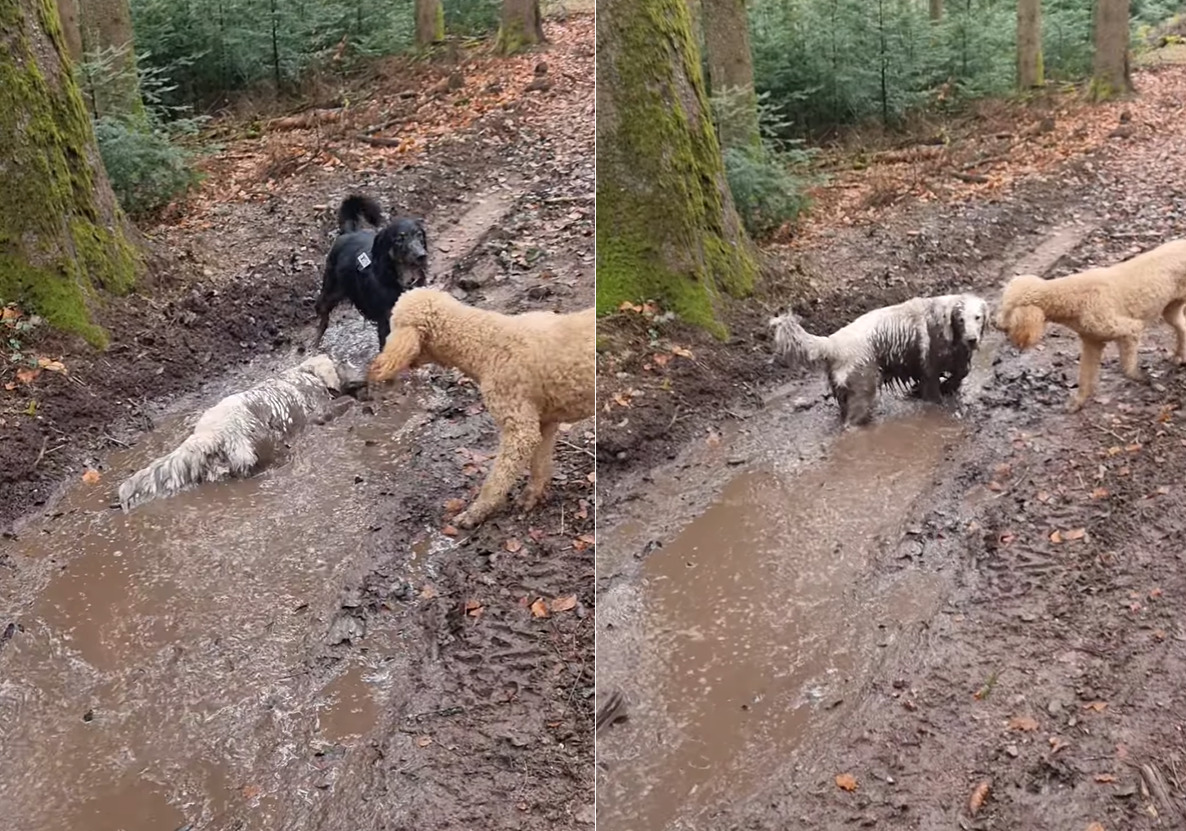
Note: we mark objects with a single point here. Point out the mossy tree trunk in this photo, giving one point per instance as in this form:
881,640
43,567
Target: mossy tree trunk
522,25
666,226
1030,73
62,234
731,69
430,22
1110,68
936,10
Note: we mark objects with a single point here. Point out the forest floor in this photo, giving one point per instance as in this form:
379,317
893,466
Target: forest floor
316,646
966,618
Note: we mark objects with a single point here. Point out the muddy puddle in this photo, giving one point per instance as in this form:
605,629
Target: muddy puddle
758,622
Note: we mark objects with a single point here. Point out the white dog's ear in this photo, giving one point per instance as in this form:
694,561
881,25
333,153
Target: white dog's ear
957,320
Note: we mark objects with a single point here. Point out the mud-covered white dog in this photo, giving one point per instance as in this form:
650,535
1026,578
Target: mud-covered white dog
240,433
924,345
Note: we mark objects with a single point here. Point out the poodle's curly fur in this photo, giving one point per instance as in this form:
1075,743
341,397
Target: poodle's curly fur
535,370
1101,305
925,344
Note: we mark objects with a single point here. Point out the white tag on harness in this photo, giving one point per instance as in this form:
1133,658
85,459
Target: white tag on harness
363,260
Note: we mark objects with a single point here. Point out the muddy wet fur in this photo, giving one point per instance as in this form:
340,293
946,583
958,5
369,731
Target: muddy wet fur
371,269
923,346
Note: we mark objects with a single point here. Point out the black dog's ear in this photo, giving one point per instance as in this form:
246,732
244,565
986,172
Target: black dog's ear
420,226
381,256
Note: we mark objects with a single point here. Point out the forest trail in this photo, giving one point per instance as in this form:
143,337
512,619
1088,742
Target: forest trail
826,631
314,647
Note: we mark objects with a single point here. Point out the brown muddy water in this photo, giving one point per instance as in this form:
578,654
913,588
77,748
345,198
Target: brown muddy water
757,619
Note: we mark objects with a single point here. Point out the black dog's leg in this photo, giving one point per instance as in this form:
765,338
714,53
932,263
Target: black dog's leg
329,298
384,329
863,395
931,386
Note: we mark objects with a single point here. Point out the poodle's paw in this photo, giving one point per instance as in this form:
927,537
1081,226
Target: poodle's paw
1180,359
1075,404
468,519
529,499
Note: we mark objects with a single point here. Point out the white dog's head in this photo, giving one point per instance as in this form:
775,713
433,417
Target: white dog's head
323,368
969,317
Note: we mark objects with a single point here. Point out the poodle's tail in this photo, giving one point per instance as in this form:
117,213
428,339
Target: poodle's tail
794,343
190,463
355,207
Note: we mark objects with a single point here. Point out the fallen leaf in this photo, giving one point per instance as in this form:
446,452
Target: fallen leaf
424,741
1162,490
9,313
1099,493
1159,635
592,477
1114,450
1007,538
454,506
1056,744
1023,723
27,376
1097,706
583,512
681,351
1133,448
846,781
627,306
1155,593
251,791
52,366
1043,496
536,534
978,796
92,476
661,359
1104,777
471,470
1075,534
429,591
539,608
513,545
563,604
621,399
473,608
1056,537
10,386
1095,826
995,486
449,531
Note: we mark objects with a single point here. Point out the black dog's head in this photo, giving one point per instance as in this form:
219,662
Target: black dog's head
401,253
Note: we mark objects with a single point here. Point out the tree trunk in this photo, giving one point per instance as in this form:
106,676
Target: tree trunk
936,10
731,70
666,226
430,22
71,28
106,29
1030,73
522,25
1110,75
62,234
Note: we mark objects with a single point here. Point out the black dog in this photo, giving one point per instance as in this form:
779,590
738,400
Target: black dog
368,268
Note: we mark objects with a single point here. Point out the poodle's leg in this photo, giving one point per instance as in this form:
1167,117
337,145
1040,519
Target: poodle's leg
1089,372
1174,316
863,395
1128,359
520,436
541,467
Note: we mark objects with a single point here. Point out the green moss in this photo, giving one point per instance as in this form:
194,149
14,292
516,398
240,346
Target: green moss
56,245
438,28
513,35
664,228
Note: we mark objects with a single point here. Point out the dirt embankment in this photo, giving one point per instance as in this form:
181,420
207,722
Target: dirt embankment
1048,666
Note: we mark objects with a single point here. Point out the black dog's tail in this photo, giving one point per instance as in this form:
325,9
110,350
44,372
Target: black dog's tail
355,207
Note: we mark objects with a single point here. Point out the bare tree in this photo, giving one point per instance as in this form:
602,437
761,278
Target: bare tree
1110,70
430,22
731,69
666,226
522,25
1030,72
62,234
936,10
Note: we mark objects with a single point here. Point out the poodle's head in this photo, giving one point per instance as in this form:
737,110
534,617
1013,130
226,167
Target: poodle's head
402,248
323,368
413,319
969,316
1019,318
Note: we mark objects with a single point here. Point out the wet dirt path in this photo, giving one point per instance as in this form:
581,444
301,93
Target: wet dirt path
162,675
741,608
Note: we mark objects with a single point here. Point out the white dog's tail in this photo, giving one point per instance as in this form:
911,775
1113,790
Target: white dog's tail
193,461
796,344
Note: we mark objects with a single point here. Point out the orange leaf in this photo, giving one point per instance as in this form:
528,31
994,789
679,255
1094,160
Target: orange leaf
1023,723
52,366
621,399
661,359
539,608
1056,744
1155,593
1104,777
563,604
27,376
454,506
1133,448
429,591
1075,534
846,781
592,477
251,791
512,545
1099,493
1098,706
92,476
449,531
1056,537
473,608
1095,826
424,741
978,796
681,351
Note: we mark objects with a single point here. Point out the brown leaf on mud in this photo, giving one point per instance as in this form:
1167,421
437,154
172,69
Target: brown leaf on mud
681,351
976,800
1133,448
1166,413
1056,537
92,476
1099,493
660,359
1155,593
1095,826
583,541
1104,778
592,477
449,531
424,741
995,486
51,365
536,534
27,376
251,791
1023,723
583,512
471,470
1006,538
10,386
1075,534
564,604
622,399
1114,450
10,313
513,545
474,608
1043,496
1003,469
627,306
454,506
539,608
429,591
1159,635
846,781
1057,744
1097,706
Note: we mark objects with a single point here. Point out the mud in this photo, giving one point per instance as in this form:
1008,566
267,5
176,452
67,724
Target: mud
314,646
779,610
